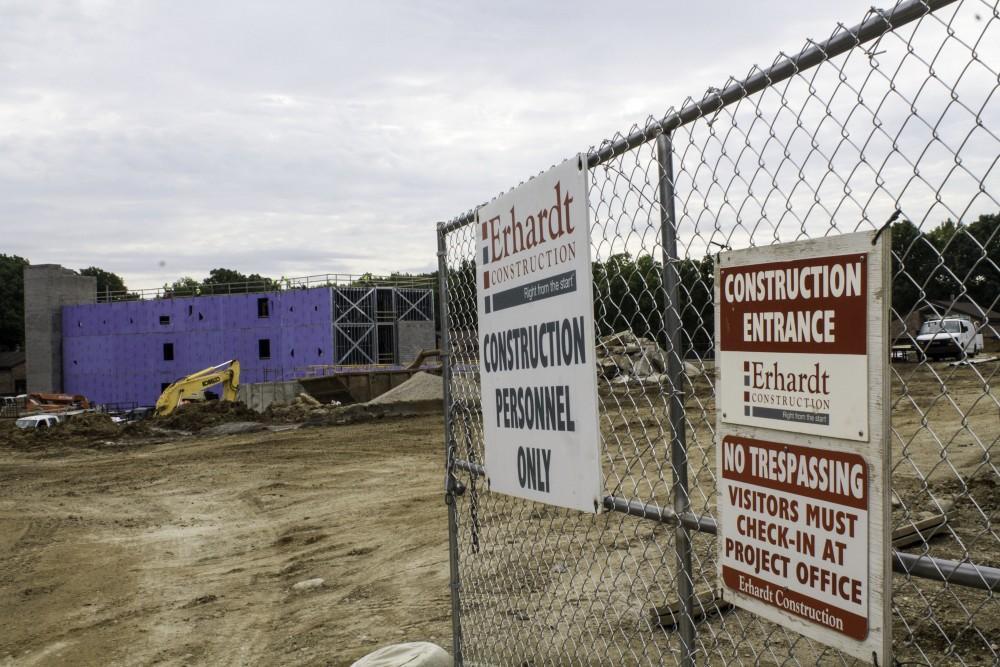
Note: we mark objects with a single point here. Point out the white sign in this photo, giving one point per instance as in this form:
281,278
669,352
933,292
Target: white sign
536,342
803,523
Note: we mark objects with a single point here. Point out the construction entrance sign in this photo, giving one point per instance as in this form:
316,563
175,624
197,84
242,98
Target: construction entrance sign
536,341
802,454
796,330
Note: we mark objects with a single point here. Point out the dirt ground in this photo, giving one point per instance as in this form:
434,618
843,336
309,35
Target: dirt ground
180,549
585,590
185,551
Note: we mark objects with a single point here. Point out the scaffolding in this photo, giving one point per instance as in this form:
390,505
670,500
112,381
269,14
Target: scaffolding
366,322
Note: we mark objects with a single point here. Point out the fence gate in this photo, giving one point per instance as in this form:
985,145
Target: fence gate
895,121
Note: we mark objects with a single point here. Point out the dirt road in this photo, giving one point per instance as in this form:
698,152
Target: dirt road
185,552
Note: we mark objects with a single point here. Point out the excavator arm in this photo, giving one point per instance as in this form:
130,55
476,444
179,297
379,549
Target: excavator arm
227,374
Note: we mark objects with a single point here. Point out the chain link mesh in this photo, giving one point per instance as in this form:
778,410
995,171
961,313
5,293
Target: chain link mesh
906,122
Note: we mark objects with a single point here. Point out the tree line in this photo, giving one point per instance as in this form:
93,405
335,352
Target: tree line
952,261
111,285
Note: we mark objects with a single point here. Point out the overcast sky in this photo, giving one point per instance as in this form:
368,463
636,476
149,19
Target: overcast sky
161,139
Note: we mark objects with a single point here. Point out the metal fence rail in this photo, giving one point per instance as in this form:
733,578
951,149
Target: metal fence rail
895,121
188,288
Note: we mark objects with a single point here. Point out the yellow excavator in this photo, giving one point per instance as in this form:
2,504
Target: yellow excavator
192,387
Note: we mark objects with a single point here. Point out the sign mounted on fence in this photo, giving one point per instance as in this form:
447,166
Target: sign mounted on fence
802,456
536,341
797,332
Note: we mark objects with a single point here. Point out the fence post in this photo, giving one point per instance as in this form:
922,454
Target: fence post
449,449
675,375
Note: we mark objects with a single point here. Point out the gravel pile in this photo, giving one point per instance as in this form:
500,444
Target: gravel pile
418,389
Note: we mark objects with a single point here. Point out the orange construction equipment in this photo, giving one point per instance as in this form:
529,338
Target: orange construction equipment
41,402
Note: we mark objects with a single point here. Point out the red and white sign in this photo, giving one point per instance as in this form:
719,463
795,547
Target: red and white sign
796,331
795,531
802,452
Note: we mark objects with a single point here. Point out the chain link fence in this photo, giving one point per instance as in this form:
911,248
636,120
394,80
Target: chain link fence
891,123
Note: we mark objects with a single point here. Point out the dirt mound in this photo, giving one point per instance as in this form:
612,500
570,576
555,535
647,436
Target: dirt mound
10,435
94,429
83,430
88,425
419,388
197,416
137,429
300,409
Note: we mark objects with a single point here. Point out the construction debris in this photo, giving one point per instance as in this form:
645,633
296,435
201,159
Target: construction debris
704,604
308,400
973,362
421,394
624,358
918,532
309,585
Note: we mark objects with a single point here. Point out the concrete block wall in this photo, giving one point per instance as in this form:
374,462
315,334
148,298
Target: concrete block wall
260,396
47,289
414,336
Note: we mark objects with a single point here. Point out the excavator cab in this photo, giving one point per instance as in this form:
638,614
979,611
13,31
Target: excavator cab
193,386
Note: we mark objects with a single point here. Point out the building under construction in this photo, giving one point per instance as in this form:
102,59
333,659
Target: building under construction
125,348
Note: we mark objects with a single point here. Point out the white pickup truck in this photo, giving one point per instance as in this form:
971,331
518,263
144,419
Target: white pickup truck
949,337
37,421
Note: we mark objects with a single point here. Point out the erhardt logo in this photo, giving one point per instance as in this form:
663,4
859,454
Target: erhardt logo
774,392
530,238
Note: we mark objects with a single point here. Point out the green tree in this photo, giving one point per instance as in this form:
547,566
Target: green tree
983,281
914,262
463,309
12,301
697,297
107,282
230,281
952,261
629,295
186,286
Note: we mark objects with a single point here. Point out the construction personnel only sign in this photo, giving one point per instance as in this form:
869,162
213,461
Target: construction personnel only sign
802,456
536,341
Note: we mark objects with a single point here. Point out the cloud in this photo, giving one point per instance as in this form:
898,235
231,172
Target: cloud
311,137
